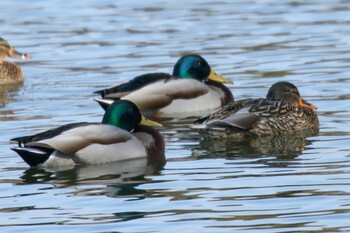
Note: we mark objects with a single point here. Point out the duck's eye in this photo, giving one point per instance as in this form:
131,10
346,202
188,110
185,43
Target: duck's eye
292,91
287,90
4,46
199,63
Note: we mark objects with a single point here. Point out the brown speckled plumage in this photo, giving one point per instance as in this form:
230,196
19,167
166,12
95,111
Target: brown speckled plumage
10,72
282,111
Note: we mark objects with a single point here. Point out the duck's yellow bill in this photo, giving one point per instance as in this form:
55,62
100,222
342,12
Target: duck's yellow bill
218,78
148,122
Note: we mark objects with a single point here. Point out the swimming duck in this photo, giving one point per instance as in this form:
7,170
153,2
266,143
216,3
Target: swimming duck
122,135
10,72
283,110
192,87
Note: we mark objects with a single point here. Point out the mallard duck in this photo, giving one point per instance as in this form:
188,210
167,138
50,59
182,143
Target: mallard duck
121,136
283,110
192,87
10,72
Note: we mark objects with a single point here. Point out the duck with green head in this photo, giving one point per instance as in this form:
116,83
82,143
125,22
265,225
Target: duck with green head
122,135
193,87
282,111
10,72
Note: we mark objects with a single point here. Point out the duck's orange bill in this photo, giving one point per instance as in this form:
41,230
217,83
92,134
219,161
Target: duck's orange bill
15,54
156,116
303,104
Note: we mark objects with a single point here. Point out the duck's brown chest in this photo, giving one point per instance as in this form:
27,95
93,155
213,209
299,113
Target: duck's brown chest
10,72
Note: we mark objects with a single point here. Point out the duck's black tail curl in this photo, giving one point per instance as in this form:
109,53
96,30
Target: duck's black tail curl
32,156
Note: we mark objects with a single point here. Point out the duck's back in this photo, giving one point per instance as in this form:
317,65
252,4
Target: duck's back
118,91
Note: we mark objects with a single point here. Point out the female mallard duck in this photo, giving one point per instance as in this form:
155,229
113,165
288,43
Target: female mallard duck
10,72
121,136
192,87
283,110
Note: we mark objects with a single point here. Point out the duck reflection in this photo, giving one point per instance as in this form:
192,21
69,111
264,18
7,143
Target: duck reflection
117,179
131,215
282,147
5,90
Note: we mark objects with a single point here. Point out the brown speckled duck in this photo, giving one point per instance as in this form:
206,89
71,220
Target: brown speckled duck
282,111
10,72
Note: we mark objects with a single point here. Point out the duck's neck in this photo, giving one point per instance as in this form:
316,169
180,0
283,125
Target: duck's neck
10,72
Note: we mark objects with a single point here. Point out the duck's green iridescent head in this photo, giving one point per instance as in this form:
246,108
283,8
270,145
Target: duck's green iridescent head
124,114
7,51
195,67
289,93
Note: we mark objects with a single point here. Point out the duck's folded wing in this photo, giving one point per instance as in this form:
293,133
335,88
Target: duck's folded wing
118,91
242,119
161,94
249,112
47,133
74,140
228,110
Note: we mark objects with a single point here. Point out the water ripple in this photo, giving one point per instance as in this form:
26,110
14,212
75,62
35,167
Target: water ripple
294,183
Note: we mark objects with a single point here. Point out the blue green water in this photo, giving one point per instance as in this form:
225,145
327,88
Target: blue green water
284,184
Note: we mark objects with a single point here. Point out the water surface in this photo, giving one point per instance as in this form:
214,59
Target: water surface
297,183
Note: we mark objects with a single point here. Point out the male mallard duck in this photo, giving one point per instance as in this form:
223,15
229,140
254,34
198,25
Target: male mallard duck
192,87
10,72
121,136
283,110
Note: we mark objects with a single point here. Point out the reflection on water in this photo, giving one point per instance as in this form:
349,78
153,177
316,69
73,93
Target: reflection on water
286,146
290,183
92,174
6,91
